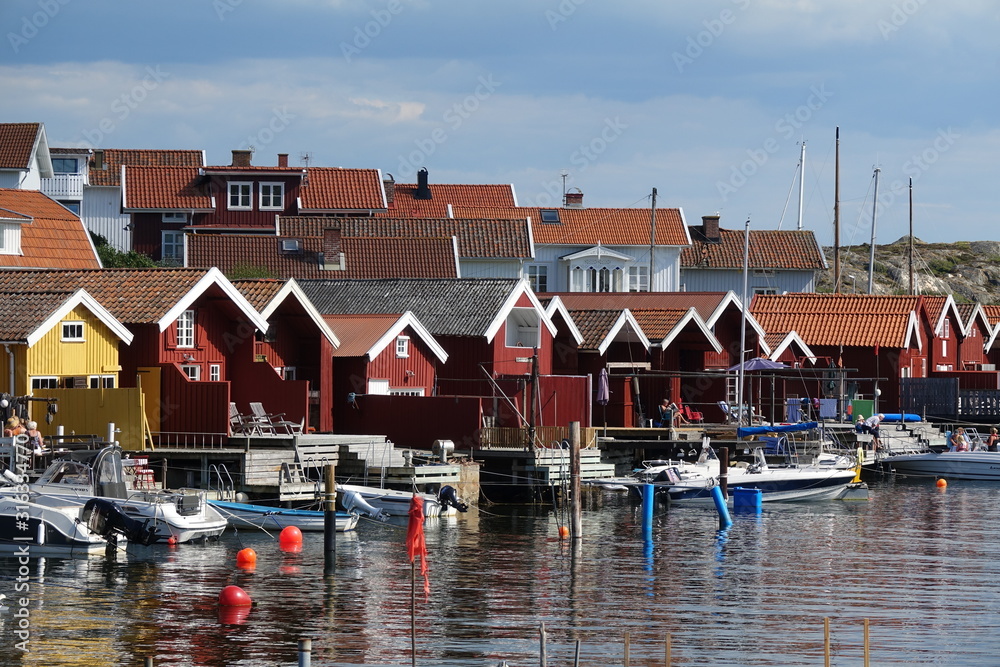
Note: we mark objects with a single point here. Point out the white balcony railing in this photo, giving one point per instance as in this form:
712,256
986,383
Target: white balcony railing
64,185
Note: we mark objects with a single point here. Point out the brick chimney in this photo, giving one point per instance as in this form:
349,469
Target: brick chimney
574,198
283,160
423,190
333,258
390,189
241,158
710,228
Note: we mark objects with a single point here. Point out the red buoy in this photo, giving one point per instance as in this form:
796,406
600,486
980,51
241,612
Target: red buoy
233,615
234,596
563,532
290,536
172,541
941,483
246,557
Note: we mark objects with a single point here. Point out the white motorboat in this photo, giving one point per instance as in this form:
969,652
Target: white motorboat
392,502
980,464
246,515
77,476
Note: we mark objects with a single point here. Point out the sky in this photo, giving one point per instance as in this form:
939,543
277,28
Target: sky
707,101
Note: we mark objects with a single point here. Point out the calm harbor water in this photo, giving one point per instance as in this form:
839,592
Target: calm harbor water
917,561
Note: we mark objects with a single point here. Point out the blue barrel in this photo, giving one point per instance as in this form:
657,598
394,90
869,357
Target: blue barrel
747,500
720,506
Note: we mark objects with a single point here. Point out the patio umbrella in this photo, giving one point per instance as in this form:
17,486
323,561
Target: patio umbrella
603,394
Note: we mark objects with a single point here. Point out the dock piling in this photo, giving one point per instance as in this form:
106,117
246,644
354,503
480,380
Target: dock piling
329,520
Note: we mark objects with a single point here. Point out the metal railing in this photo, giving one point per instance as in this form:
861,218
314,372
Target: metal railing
188,440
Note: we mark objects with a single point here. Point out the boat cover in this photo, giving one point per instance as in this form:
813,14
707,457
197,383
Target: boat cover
744,431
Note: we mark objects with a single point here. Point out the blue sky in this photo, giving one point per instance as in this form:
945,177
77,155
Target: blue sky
705,101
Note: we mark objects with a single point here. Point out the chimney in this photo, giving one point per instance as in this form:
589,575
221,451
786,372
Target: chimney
282,160
333,258
99,159
710,228
574,198
241,158
390,189
423,191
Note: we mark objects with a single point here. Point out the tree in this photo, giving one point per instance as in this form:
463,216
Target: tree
112,258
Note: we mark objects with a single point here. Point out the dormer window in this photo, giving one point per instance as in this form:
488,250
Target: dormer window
402,346
65,165
272,196
240,195
291,245
549,215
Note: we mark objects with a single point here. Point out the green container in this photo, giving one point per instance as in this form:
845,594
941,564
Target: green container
861,407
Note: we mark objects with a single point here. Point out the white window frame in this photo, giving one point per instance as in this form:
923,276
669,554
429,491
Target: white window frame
74,160
638,278
402,347
538,277
72,332
946,331
288,372
944,348
192,371
185,329
599,278
101,381
44,382
215,372
242,192
765,290
174,239
274,191
174,216
522,328
407,392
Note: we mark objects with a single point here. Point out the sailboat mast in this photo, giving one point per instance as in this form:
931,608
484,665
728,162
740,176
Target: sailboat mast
743,413
802,181
836,218
652,237
911,237
871,257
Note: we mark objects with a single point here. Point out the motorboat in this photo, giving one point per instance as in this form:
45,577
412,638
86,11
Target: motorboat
263,517
979,464
77,476
776,482
393,502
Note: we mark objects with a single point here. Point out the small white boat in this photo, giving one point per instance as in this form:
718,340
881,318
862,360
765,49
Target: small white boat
980,465
78,476
246,515
392,502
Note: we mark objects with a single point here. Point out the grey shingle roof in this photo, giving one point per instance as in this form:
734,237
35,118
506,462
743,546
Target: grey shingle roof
447,307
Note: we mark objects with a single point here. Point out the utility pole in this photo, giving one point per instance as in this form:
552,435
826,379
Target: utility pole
836,218
652,238
911,237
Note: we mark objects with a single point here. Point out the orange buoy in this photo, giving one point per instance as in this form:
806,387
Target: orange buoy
172,540
563,531
234,596
290,536
246,557
942,483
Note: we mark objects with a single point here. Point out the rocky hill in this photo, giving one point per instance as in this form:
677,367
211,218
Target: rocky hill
970,270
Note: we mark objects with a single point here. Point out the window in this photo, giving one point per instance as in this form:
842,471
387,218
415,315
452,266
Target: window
402,346
291,245
65,165
193,371
215,372
596,279
638,279
765,290
538,277
185,329
549,215
72,332
102,381
172,247
763,273
175,217
45,382
944,347
239,195
288,372
406,392
272,195
946,333
73,206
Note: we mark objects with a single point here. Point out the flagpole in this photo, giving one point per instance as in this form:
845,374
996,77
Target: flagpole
413,612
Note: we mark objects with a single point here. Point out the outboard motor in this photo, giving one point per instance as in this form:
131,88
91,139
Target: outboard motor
352,501
105,518
449,498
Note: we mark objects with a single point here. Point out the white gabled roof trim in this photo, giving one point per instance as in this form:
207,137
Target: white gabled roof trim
786,342
291,288
523,287
556,305
79,297
913,330
625,319
213,277
692,316
407,319
751,320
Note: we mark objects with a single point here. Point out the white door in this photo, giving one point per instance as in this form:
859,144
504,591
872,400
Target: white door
378,387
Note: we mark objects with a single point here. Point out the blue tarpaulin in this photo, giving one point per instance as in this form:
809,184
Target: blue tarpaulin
744,431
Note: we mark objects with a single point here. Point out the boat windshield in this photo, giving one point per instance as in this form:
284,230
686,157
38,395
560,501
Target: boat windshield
66,472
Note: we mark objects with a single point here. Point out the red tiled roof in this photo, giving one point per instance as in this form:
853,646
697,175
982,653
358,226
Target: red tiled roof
476,238
363,257
164,188
992,314
133,296
23,312
405,205
259,292
358,333
590,226
17,141
333,189
857,320
594,325
114,158
704,303
657,324
769,249
53,238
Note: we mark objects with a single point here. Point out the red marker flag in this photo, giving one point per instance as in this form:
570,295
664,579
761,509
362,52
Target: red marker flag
415,539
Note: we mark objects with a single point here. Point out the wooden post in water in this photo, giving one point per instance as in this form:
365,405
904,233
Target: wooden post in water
576,655
148,662
305,652
628,638
867,655
724,471
576,518
542,661
329,520
666,651
826,641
